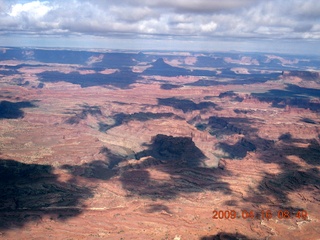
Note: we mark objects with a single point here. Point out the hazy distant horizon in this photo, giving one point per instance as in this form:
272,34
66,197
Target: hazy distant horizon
275,26
204,46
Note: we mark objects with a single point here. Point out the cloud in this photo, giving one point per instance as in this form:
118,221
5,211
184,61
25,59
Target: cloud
37,9
268,19
198,6
308,9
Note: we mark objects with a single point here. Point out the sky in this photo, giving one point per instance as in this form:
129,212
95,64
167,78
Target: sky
286,26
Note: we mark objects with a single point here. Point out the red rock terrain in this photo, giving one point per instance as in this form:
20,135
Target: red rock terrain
151,163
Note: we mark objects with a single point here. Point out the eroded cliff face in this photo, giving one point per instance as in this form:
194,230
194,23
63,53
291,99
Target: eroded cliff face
150,161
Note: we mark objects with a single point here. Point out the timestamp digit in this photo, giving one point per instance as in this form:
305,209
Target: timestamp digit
302,214
233,214
215,214
227,214
266,214
246,214
230,214
283,214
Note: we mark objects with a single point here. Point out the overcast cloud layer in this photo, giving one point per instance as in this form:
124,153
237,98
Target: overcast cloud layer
195,20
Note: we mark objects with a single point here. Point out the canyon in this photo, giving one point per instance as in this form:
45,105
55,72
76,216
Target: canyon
148,145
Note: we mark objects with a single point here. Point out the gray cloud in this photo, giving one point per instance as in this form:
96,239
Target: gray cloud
198,6
268,19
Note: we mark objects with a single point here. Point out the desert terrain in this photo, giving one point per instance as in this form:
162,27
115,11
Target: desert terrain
156,145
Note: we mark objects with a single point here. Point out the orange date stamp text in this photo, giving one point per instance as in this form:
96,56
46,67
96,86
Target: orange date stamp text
262,215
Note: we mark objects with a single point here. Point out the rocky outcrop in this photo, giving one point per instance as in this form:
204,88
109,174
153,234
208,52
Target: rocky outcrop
181,150
238,150
223,126
306,75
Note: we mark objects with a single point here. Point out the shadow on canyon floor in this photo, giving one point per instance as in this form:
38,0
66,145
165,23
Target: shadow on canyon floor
231,95
121,79
220,126
29,192
292,176
177,158
82,113
12,110
168,86
180,160
98,169
178,150
293,96
224,128
238,150
226,236
151,208
186,105
308,120
288,181
237,79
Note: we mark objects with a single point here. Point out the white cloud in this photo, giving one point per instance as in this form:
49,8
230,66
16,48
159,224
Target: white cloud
193,18
35,9
209,27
